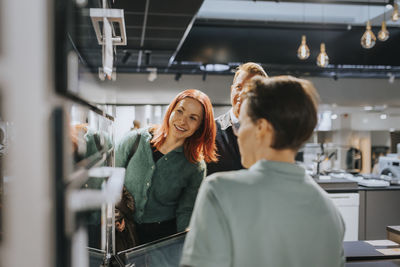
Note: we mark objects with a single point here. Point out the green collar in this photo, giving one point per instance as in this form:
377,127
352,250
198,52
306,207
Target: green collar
178,149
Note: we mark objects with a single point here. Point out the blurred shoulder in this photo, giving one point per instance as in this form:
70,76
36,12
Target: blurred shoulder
229,178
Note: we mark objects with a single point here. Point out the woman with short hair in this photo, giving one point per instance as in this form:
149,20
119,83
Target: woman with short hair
272,214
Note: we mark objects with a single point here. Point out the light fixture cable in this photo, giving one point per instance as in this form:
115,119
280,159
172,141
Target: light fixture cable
395,14
368,39
303,52
323,59
383,34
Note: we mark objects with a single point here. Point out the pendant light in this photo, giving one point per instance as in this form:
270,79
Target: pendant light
395,14
322,59
383,34
368,39
303,52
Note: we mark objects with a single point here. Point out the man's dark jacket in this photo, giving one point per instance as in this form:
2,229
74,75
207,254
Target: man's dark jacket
228,150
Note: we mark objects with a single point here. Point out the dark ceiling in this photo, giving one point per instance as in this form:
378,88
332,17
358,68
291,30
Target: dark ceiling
275,46
155,31
160,35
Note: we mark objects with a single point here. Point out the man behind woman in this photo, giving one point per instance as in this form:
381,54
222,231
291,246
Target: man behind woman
226,141
272,214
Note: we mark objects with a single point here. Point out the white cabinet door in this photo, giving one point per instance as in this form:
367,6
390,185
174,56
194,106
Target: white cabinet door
348,204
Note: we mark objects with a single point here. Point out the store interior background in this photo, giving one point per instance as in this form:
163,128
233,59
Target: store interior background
359,90
343,118
359,100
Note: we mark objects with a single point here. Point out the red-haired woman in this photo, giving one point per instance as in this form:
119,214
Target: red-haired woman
168,166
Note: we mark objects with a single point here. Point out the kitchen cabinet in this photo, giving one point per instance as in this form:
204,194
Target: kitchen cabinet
378,208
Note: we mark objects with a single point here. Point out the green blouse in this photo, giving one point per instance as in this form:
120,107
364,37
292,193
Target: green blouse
162,190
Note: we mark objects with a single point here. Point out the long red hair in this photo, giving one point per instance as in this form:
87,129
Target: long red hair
201,145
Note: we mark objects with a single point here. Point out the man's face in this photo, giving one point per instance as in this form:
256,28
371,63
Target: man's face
237,90
247,138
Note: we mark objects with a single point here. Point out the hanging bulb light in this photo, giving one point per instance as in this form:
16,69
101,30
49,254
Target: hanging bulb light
395,14
303,52
322,59
368,39
383,34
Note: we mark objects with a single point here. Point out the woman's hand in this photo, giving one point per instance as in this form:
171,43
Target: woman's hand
120,225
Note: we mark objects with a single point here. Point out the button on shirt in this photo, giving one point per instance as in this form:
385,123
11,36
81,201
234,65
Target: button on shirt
164,189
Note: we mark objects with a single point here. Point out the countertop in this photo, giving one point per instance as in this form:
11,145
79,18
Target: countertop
342,185
360,253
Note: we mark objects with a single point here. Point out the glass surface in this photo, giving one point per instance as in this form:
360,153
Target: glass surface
91,135
92,146
6,140
96,257
2,151
166,252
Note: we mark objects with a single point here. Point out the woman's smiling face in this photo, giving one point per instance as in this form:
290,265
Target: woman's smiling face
186,118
